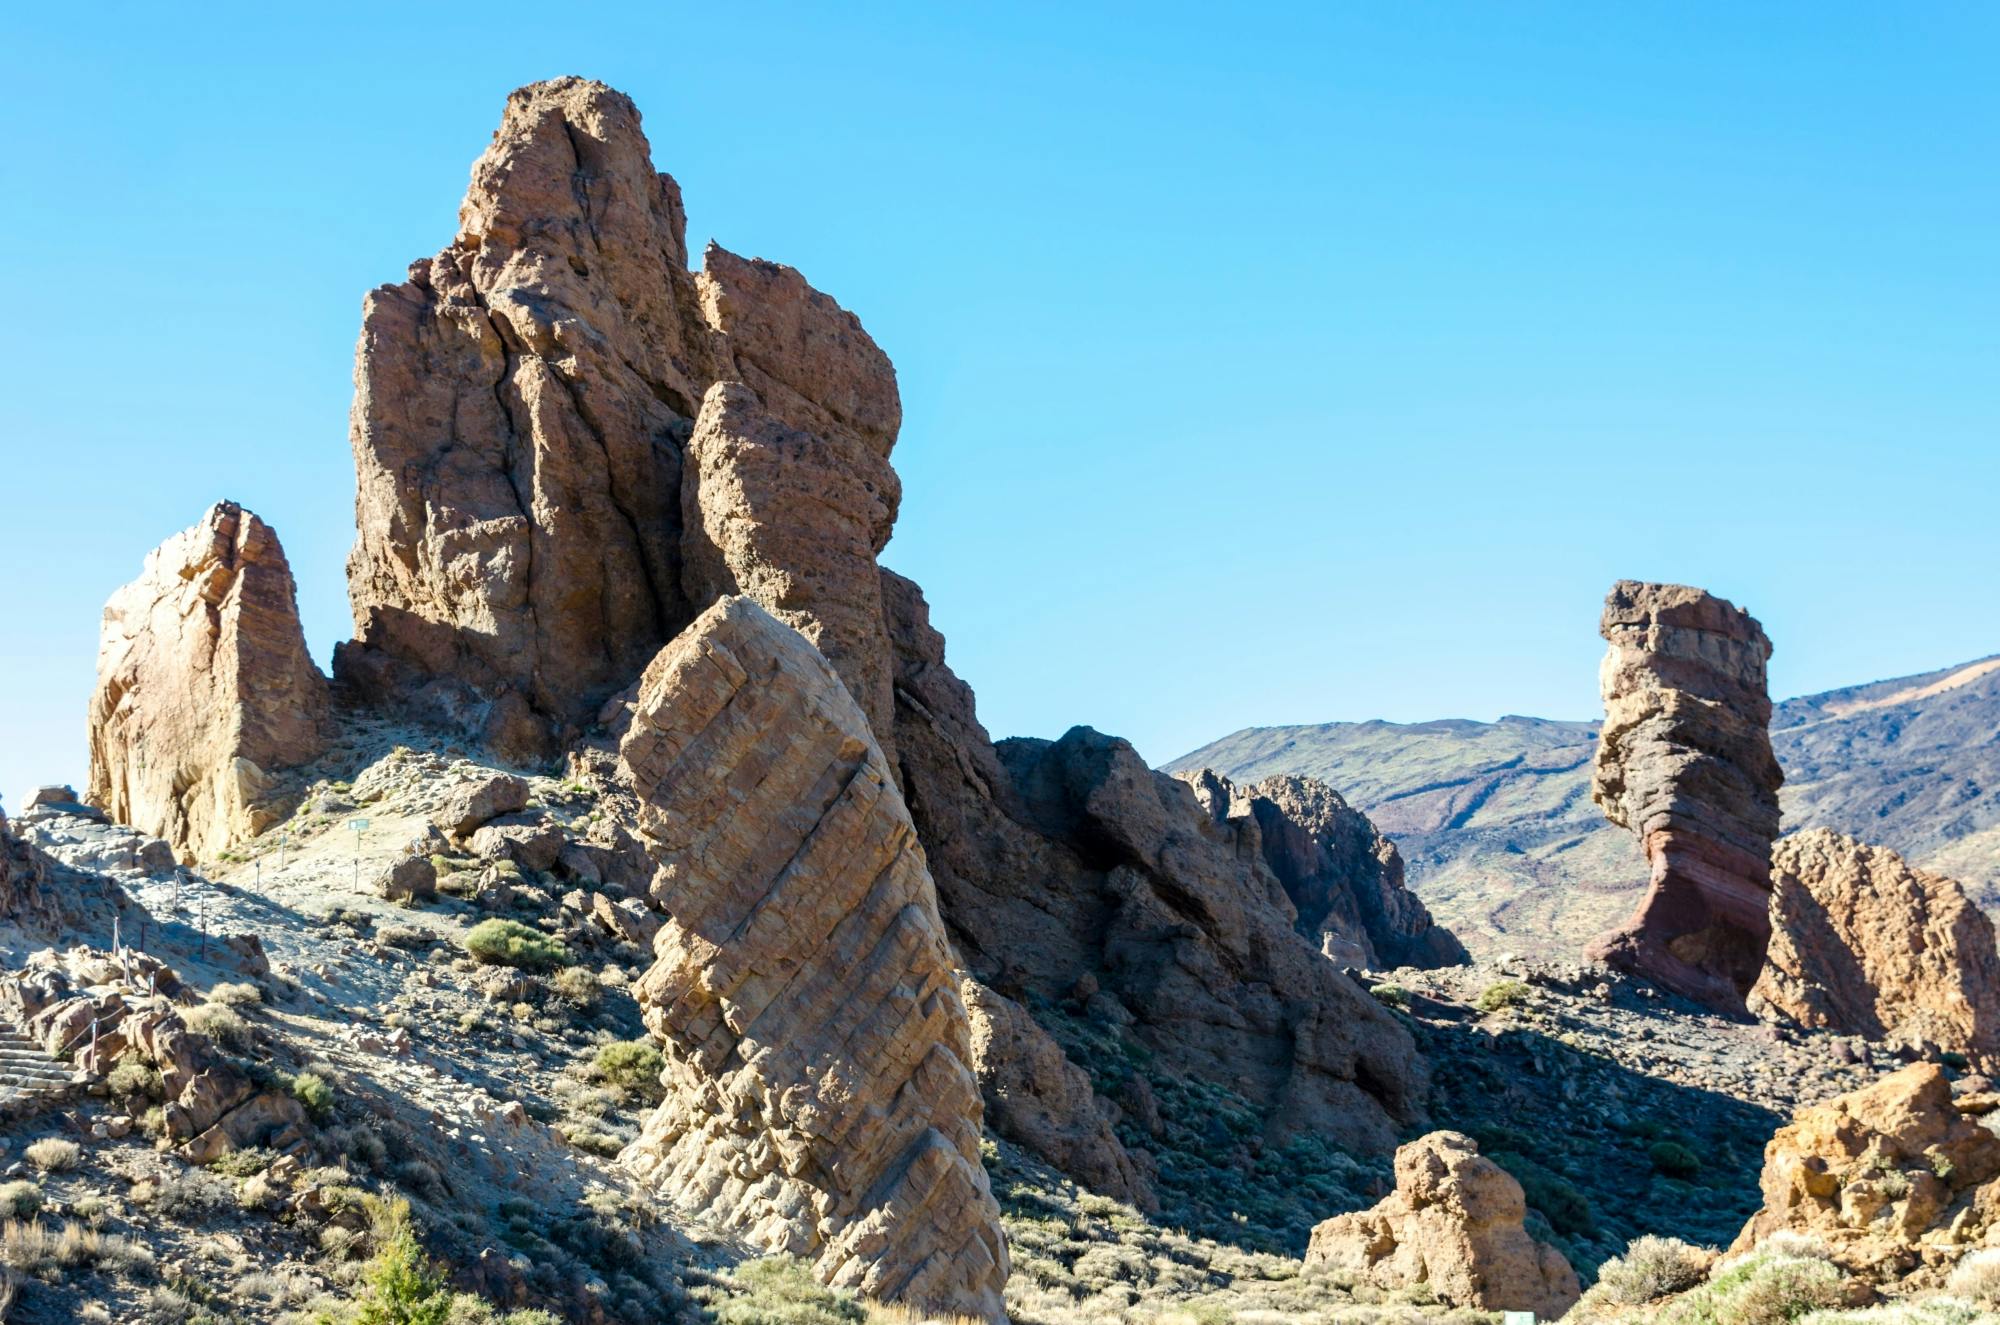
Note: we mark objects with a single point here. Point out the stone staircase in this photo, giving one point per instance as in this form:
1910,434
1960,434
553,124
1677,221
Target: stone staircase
25,1071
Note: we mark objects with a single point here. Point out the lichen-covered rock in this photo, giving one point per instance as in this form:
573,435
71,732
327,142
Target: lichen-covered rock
1344,878
205,690
1864,944
789,495
1684,761
520,407
820,1098
1456,1224
1060,860
1897,1179
1037,1098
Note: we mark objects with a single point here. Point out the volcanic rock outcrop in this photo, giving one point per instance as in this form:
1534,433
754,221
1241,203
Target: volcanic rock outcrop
552,412
21,876
789,494
1342,875
205,691
1684,761
1057,861
1864,944
1455,1223
820,1098
1900,1176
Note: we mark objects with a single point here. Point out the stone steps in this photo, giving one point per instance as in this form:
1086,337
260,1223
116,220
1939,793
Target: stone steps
25,1071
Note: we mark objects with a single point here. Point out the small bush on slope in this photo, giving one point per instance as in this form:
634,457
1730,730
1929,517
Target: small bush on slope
510,943
1762,1288
1652,1267
1978,1278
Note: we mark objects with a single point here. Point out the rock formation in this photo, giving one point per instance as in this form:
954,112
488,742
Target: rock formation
1684,761
1060,860
1344,878
820,1099
789,494
1863,944
205,691
526,405
1896,1177
1454,1223
21,876
1037,1098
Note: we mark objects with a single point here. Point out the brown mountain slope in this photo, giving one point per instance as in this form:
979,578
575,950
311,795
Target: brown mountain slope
1495,822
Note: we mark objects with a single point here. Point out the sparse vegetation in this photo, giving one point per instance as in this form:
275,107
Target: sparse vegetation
313,1091
1763,1288
52,1154
630,1066
1652,1267
19,1200
221,1023
1674,1159
1501,994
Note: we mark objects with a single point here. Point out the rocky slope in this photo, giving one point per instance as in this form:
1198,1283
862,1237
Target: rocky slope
1502,842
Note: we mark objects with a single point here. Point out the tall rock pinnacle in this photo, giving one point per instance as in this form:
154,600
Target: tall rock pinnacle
204,687
1685,762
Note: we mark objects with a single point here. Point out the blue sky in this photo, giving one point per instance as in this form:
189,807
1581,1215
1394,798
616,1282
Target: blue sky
1282,363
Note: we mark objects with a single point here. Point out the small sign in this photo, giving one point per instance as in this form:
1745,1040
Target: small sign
361,826
1518,1318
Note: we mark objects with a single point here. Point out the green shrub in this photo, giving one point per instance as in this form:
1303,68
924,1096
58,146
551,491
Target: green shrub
1501,994
18,1200
578,986
52,1154
780,1290
242,994
510,943
221,1023
633,1065
1394,996
1674,1159
1762,1288
134,1078
311,1089
1652,1267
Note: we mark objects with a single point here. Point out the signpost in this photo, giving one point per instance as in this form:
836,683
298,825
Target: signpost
359,826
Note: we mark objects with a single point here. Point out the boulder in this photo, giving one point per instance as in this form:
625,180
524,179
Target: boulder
410,878
1864,944
1897,1179
529,840
473,804
1065,859
1455,1223
1040,1100
1684,761
205,691
820,1100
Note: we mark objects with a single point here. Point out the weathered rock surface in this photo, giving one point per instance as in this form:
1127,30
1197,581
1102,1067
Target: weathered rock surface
1455,1223
1344,878
1684,761
1037,1098
475,803
1059,860
1898,1177
789,494
21,875
1863,944
205,690
820,1095
554,410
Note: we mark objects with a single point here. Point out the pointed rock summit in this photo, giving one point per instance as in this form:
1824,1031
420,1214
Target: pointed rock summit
820,1094
205,690
1684,761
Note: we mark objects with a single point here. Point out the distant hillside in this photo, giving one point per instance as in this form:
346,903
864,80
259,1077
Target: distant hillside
1505,847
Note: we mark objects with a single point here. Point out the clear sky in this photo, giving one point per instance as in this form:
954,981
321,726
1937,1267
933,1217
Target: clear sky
1261,363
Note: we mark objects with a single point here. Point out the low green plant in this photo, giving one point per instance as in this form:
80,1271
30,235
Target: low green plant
312,1090
1389,995
629,1065
19,1200
1652,1267
1763,1288
1501,994
1674,1159
53,1154
498,942
781,1290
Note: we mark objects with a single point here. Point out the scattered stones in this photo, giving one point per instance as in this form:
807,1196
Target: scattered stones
205,691
1684,761
1864,944
819,1094
1456,1224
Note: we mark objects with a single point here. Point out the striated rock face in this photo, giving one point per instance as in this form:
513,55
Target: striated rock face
1342,875
1455,1223
205,690
1038,1099
820,1099
1684,761
789,494
554,411
1863,944
1896,1177
1057,861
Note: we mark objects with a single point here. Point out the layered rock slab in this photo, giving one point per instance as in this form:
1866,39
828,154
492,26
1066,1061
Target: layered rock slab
1865,944
819,1095
1455,1223
1061,860
1684,761
205,689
